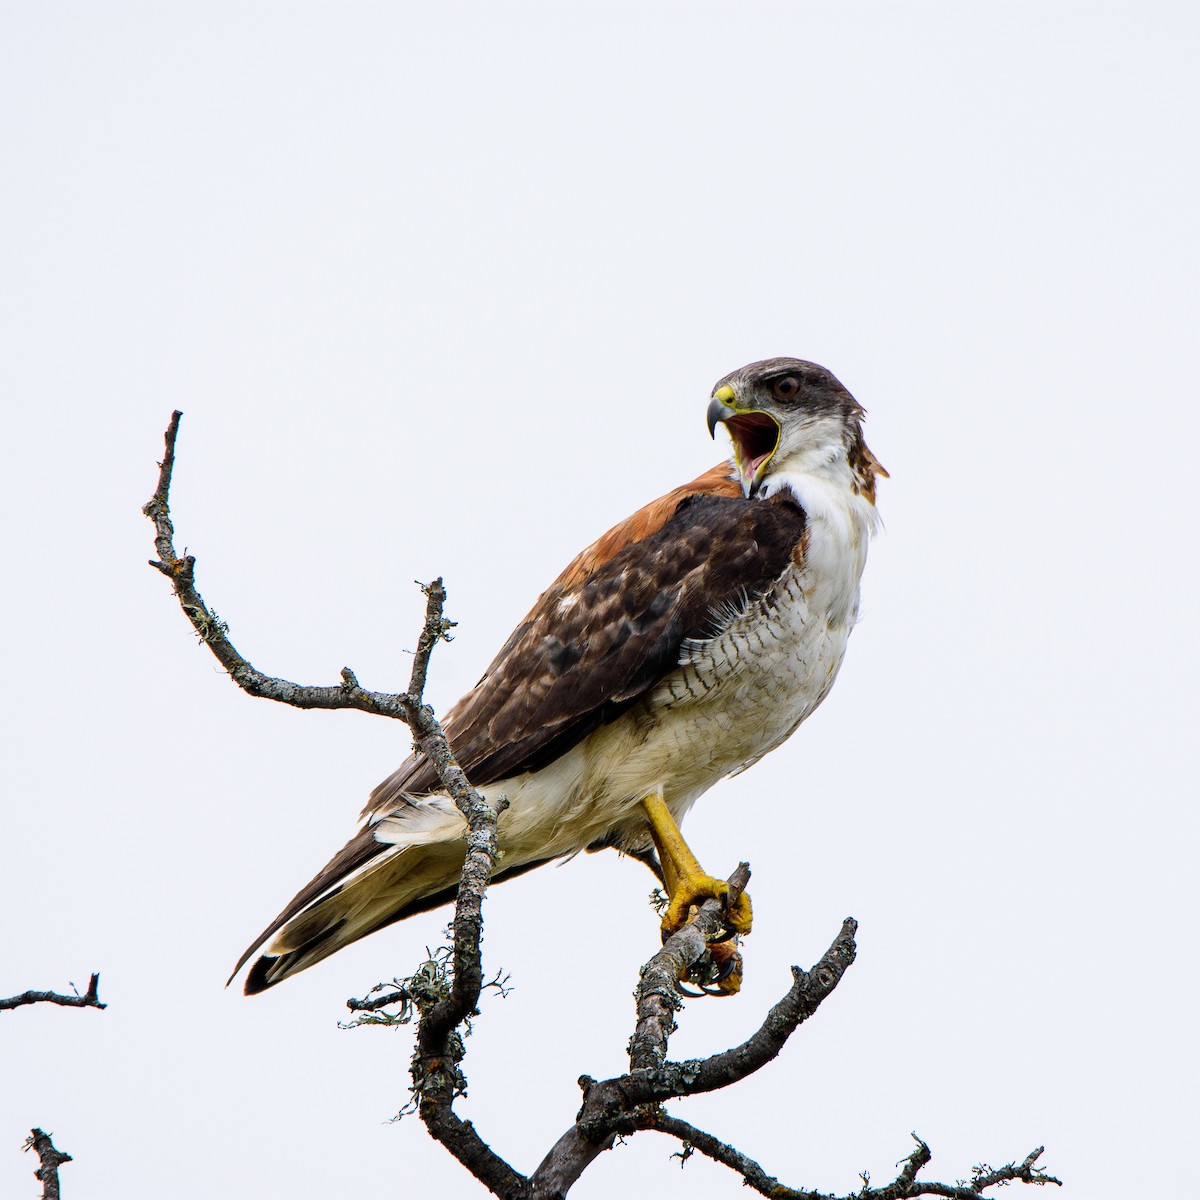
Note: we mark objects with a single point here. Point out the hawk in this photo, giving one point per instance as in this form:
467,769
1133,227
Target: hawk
676,650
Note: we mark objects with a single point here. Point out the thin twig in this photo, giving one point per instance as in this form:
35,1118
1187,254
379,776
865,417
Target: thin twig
51,1159
214,633
1024,1172
436,629
696,1139
90,998
370,1004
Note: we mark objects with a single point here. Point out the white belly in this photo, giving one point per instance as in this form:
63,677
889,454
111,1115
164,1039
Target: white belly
737,697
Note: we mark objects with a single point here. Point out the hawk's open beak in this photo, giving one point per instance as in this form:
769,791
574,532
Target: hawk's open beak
755,436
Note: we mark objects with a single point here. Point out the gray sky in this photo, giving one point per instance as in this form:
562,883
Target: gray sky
444,289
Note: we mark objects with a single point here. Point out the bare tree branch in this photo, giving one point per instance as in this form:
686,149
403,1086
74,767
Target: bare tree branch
904,1187
445,994
629,1103
90,998
51,1159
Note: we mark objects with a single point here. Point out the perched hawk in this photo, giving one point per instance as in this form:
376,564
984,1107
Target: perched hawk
679,648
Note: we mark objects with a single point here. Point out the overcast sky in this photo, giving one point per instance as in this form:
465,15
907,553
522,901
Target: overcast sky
444,289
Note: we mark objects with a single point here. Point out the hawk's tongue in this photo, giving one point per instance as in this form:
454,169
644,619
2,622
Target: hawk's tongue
750,466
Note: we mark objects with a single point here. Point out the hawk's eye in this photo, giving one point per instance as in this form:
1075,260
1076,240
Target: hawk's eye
786,388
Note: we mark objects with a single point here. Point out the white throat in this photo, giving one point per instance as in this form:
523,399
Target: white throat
840,519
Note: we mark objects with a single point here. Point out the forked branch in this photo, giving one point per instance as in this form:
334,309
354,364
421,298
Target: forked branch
214,633
906,1185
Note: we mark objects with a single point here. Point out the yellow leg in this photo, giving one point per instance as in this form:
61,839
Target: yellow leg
686,883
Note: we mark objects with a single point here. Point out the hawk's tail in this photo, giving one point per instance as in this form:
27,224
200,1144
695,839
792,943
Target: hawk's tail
406,863
369,885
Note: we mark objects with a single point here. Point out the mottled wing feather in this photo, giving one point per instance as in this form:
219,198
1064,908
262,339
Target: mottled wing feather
597,642
416,775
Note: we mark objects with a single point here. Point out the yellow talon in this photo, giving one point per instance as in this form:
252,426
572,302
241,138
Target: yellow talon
694,890
686,883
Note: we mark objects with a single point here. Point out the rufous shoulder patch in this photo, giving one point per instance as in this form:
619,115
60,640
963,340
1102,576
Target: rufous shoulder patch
718,481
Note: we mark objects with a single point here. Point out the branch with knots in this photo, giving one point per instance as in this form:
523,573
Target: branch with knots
444,995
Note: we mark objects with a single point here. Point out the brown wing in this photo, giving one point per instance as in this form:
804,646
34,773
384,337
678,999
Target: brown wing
415,775
609,629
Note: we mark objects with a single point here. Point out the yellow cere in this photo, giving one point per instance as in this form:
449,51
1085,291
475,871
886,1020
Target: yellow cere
724,394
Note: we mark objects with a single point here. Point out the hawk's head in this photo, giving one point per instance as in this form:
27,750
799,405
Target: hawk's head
787,414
